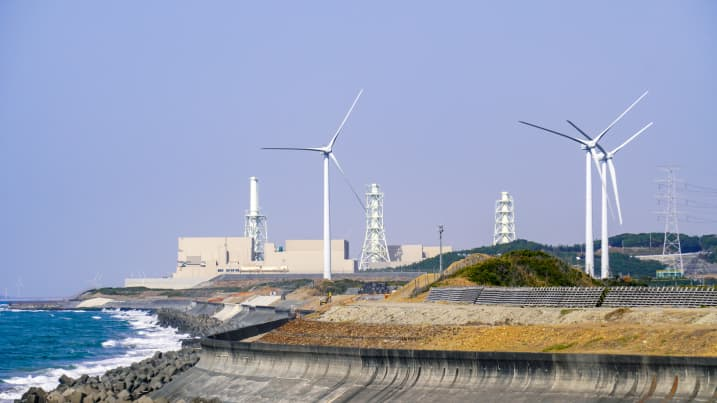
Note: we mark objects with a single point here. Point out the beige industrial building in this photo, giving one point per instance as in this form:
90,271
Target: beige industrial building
202,258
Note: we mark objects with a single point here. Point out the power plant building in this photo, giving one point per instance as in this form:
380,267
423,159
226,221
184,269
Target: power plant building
201,258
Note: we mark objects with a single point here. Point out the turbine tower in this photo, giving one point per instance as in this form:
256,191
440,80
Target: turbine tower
588,146
504,230
255,224
375,249
606,163
328,152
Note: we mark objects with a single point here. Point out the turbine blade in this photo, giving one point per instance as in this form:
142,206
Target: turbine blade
330,146
358,198
294,149
620,117
554,132
578,129
631,138
603,182
611,166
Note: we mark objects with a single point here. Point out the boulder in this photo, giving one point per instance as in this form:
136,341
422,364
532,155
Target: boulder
76,396
55,397
123,395
66,380
118,386
170,370
91,398
34,395
156,383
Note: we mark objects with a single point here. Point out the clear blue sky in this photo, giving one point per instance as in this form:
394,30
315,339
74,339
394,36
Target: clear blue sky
126,124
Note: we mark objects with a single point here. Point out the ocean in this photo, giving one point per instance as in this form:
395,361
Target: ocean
37,347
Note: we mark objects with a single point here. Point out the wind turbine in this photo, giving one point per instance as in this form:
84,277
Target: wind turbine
606,163
328,153
589,146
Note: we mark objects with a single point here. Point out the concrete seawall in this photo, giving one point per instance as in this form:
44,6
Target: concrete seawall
239,371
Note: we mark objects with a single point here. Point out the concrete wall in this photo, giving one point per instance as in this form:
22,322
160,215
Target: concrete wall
307,256
244,372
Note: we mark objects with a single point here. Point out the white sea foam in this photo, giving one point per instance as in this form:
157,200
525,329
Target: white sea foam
140,346
97,317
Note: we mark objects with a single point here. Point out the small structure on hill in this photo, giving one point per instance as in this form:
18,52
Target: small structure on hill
504,229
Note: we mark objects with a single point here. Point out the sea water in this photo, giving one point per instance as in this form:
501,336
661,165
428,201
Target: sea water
37,347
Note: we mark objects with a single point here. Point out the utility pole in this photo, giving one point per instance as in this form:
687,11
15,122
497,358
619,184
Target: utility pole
440,249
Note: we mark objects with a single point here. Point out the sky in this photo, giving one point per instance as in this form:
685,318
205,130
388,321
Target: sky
127,124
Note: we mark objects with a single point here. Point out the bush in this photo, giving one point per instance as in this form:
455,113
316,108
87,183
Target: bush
525,268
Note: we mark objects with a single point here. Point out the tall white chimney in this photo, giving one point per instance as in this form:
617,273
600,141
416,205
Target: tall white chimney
253,196
255,224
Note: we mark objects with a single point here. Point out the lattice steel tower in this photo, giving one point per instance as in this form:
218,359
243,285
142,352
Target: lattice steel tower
255,224
374,249
671,249
504,231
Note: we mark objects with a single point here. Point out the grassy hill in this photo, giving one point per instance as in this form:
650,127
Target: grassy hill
570,254
525,268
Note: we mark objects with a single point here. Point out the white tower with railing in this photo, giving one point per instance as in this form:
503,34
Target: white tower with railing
255,224
375,249
504,231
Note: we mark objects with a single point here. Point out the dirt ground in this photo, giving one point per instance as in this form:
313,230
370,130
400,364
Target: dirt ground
658,331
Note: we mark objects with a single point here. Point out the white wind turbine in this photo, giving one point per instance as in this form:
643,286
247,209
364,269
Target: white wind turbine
589,147
327,152
606,163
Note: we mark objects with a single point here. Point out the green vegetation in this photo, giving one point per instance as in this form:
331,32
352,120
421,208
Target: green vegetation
288,285
689,244
525,268
338,286
624,265
119,290
559,346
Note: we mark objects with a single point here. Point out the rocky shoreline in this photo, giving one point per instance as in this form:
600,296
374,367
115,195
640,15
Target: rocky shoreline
196,325
120,384
135,382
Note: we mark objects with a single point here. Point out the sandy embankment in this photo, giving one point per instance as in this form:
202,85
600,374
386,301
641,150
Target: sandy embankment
94,302
459,314
660,331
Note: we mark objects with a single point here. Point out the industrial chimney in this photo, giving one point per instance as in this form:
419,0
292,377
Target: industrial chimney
255,224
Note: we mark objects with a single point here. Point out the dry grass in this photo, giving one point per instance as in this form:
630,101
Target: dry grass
650,331
612,339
